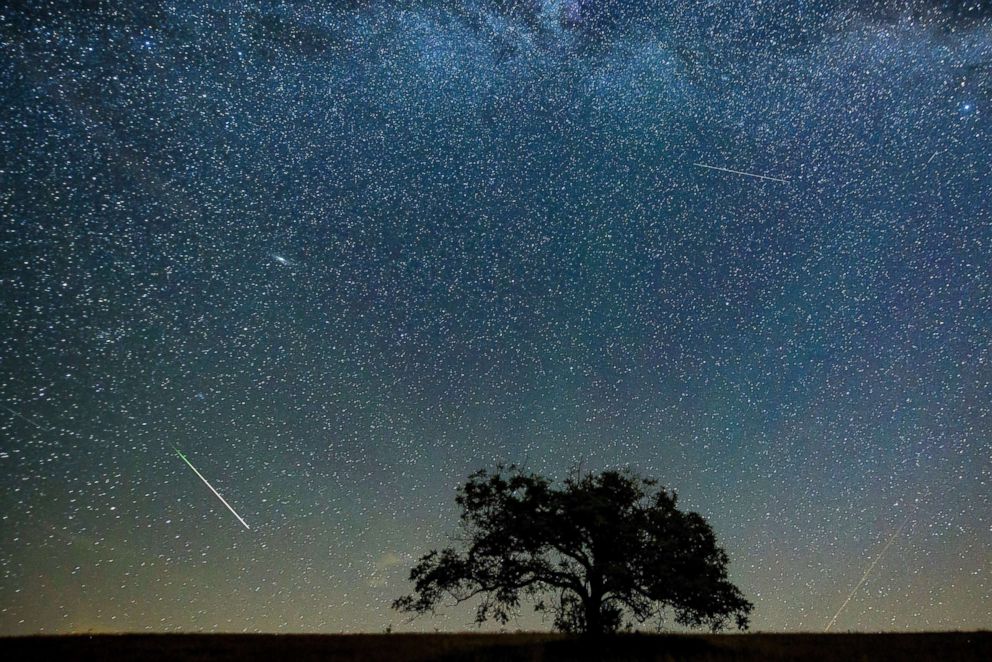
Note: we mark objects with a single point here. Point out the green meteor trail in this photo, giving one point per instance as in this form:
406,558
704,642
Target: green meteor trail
207,483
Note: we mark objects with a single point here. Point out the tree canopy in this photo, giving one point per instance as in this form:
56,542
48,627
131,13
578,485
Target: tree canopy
603,551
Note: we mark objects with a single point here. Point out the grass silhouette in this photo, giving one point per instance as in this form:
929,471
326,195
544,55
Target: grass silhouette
526,647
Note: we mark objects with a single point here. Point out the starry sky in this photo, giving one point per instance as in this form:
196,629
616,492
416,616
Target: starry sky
342,254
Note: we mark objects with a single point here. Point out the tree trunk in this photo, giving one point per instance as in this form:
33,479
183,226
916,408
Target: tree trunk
594,616
594,604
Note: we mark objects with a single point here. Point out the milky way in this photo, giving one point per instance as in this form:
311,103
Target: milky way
345,253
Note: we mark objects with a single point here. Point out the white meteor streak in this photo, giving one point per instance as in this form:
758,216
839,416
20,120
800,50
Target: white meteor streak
741,172
25,418
867,572
205,482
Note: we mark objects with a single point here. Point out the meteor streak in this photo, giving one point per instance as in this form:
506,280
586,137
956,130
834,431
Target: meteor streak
25,418
205,482
867,572
741,172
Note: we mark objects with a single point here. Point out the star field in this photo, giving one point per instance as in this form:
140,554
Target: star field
343,254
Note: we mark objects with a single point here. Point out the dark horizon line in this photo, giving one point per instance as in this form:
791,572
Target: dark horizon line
505,633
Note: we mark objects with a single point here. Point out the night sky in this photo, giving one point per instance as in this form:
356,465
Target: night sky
342,254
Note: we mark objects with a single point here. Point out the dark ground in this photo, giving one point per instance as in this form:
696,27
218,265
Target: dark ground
949,646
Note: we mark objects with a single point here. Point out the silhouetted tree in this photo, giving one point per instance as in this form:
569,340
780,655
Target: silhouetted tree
604,546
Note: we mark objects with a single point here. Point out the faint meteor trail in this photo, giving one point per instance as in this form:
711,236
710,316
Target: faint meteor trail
741,172
205,482
25,418
867,572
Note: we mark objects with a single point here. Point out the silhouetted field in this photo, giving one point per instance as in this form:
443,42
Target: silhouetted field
948,646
